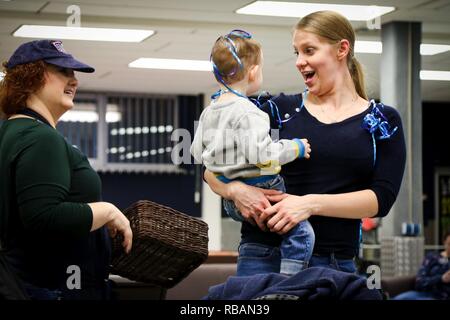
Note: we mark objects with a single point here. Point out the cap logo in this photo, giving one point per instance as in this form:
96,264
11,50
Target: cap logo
59,46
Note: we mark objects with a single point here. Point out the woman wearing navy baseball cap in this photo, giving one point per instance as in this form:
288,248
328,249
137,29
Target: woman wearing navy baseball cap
53,226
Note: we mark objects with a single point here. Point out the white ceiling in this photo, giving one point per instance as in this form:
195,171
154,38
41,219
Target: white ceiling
187,29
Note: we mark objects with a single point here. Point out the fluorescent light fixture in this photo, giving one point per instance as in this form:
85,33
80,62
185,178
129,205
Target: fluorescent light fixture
377,47
89,116
435,75
368,47
301,9
82,33
171,64
79,116
113,116
431,49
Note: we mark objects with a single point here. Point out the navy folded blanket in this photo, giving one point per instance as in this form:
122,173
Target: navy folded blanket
311,284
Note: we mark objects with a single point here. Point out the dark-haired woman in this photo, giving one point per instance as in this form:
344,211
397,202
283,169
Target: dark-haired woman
53,225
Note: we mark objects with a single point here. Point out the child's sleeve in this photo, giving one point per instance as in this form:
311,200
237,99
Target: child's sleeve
197,143
253,139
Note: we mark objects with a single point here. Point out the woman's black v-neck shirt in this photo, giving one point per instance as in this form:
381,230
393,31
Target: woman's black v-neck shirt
342,160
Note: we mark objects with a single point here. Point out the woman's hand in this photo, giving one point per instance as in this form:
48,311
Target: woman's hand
251,201
120,223
107,214
446,277
287,213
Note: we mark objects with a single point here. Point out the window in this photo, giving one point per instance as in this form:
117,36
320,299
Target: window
139,129
127,132
123,132
79,126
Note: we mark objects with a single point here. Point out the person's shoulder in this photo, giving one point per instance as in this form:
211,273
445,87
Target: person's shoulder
389,111
432,256
244,107
206,112
247,103
44,132
42,136
234,105
252,113
203,113
283,99
26,128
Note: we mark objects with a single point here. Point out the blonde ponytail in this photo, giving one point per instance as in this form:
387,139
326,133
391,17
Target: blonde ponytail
358,77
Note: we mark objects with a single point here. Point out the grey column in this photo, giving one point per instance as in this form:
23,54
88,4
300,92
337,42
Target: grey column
400,88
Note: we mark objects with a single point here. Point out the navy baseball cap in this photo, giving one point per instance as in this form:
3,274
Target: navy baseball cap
50,51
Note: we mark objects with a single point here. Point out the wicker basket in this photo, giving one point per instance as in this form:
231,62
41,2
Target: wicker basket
167,245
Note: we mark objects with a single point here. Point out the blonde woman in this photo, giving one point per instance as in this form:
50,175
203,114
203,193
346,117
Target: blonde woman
358,161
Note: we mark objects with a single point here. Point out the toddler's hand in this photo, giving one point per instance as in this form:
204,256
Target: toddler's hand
307,149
